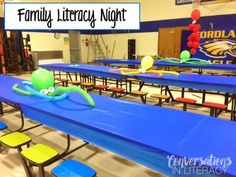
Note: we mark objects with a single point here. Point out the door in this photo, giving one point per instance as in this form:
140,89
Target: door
169,41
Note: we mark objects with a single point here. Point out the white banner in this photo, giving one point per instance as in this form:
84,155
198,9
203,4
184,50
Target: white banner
72,16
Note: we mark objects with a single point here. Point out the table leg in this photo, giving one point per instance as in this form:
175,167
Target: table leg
233,104
117,83
105,81
182,93
203,96
76,76
226,99
1,108
94,80
169,92
130,86
141,86
53,72
68,74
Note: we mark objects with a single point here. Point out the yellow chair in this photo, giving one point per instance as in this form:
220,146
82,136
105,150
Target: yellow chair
16,140
39,155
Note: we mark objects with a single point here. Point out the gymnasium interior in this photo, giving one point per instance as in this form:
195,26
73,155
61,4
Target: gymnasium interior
155,101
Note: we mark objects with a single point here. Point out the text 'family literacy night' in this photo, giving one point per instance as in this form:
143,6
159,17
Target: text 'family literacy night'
66,15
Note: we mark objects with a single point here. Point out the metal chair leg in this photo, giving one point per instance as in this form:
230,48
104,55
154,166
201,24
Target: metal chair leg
28,168
212,112
41,171
143,98
100,91
160,102
185,107
113,94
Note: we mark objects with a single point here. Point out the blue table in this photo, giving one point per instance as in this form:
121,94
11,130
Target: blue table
224,67
142,133
93,70
193,81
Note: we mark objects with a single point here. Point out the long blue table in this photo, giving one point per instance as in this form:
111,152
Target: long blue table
194,81
224,67
142,133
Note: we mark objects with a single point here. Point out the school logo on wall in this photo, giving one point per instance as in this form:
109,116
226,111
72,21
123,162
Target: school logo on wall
218,48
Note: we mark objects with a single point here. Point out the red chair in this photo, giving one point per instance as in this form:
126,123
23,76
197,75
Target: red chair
214,107
185,102
101,88
116,90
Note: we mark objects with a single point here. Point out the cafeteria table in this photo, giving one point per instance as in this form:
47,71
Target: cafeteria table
145,134
223,84
223,67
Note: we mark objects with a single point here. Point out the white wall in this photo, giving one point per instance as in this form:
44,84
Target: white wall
146,43
151,10
47,42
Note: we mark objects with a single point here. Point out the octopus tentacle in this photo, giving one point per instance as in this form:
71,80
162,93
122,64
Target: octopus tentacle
36,93
23,92
87,97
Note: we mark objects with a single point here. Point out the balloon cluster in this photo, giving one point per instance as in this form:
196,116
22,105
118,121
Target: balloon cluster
193,38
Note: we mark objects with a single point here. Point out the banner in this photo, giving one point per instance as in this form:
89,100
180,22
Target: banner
218,46
72,16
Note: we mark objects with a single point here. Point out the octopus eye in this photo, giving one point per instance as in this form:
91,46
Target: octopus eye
51,89
44,91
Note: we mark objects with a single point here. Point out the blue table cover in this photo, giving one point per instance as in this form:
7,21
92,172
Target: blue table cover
85,69
143,133
211,83
224,67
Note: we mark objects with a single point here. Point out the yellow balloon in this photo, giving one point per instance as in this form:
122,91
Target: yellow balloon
146,63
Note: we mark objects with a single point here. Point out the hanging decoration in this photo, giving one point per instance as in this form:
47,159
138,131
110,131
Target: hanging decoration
194,38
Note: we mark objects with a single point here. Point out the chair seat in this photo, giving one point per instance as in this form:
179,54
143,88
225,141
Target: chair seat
186,100
72,168
15,139
75,82
101,86
116,89
138,92
39,153
61,79
87,84
215,105
3,126
160,96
